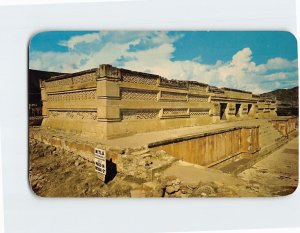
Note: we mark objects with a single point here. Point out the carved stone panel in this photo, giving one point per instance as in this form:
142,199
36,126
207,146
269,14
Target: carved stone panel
173,96
199,112
136,114
133,94
73,114
57,83
72,96
175,111
90,77
135,77
198,98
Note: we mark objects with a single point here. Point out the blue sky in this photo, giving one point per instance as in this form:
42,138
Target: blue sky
253,61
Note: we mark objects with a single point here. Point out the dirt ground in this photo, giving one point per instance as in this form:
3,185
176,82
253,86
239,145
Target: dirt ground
57,173
277,173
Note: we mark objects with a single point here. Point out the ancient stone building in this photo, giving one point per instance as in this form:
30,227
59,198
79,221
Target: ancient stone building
34,92
109,102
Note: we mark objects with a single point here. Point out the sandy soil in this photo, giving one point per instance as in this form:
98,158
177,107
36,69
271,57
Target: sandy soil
278,172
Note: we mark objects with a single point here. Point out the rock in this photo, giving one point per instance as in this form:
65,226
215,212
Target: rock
176,182
183,190
147,155
178,194
137,193
160,152
140,152
138,148
157,175
183,195
206,189
55,153
148,162
52,148
151,185
203,194
77,163
142,163
131,173
153,189
170,189
127,151
191,186
255,185
116,149
217,184
169,183
176,187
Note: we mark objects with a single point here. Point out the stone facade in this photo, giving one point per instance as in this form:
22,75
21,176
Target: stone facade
109,102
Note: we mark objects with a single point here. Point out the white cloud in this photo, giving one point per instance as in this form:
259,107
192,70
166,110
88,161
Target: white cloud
86,38
278,63
153,51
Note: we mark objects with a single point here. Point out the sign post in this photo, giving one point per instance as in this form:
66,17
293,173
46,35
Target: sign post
100,163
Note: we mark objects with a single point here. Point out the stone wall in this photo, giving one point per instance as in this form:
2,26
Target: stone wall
69,102
285,125
110,102
211,148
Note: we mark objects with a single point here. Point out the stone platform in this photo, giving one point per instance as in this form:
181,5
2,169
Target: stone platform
269,138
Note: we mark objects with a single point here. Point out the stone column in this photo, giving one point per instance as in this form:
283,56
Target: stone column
252,110
108,97
44,98
214,112
273,108
230,111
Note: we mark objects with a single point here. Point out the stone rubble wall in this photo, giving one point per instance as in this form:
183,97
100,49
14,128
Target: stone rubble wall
137,164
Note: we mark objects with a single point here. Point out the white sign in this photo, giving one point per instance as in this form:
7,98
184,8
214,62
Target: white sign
100,161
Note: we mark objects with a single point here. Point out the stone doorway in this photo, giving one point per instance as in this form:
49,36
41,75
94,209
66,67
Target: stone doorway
223,107
249,108
237,108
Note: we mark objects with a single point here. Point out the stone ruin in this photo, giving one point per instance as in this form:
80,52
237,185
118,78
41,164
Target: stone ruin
105,107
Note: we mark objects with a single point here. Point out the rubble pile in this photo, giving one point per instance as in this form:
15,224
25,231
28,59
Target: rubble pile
142,164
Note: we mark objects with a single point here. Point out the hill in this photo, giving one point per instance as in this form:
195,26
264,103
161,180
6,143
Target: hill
34,77
287,96
287,101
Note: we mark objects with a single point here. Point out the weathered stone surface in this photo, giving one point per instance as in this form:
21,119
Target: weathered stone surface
176,188
170,189
137,193
140,152
87,116
147,155
206,189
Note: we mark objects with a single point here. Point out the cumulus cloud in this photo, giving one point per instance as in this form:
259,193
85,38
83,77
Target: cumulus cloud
279,63
153,52
75,40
